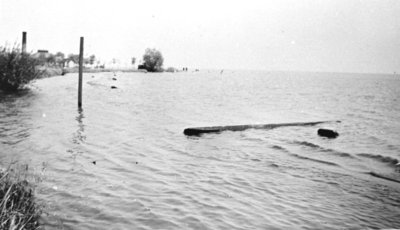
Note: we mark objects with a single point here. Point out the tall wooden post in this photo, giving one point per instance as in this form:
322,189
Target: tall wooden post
24,42
80,74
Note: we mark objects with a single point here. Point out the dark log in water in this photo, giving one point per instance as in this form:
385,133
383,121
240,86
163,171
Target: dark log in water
216,129
383,177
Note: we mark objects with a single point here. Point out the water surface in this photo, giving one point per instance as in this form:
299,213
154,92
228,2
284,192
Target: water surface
122,162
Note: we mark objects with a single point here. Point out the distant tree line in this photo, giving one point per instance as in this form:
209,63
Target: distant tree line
152,60
59,59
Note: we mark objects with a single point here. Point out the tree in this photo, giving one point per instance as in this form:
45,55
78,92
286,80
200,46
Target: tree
92,59
59,58
86,61
74,57
153,60
60,54
50,59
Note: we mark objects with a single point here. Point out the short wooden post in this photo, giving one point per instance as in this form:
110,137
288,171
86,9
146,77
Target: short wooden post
23,42
80,74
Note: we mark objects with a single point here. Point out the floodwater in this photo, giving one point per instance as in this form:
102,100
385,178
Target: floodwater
122,162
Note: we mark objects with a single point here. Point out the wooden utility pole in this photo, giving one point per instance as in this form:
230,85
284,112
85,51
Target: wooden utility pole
80,74
24,42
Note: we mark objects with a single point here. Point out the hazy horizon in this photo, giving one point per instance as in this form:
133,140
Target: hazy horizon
318,36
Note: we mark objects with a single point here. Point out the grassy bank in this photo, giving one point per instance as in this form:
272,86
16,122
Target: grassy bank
18,209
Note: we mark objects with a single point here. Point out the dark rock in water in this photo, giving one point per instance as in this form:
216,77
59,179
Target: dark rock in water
329,133
114,78
94,162
113,87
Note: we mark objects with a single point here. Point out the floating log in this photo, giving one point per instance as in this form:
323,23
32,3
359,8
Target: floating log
216,129
329,133
383,177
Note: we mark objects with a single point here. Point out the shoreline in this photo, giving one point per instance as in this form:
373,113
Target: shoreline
48,71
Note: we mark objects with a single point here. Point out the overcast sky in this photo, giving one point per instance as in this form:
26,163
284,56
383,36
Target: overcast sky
305,35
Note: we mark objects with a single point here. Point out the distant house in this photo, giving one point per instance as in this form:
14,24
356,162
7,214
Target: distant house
42,54
43,51
44,57
71,63
91,66
68,63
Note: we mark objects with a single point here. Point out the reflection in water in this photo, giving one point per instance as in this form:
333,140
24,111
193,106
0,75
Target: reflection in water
10,97
79,136
15,118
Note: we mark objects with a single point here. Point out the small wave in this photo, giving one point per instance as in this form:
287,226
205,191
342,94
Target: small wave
308,144
315,160
383,177
383,159
93,83
278,147
342,154
322,149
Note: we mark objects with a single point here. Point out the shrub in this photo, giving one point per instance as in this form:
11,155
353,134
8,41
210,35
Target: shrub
153,60
16,69
18,209
170,69
50,71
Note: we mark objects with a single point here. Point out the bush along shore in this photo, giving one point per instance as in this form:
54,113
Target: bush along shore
16,69
18,208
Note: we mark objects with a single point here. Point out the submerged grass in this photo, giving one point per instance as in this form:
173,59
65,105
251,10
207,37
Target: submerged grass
18,209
